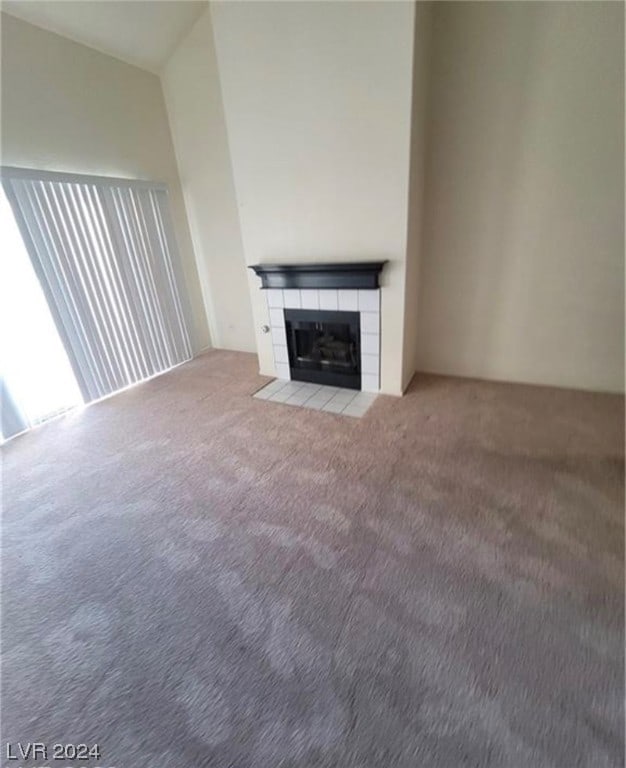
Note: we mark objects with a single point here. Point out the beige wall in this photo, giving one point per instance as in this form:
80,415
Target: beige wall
522,275
66,107
514,243
317,99
414,248
194,103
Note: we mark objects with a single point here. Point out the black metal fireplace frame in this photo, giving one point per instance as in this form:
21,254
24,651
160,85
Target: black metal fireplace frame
331,378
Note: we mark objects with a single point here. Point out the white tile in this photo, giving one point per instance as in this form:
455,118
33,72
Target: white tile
324,392
298,398
280,354
291,387
328,299
310,299
292,298
263,394
274,297
348,300
357,411
333,407
279,336
369,364
318,400
370,344
364,399
339,402
313,404
277,317
346,394
369,301
275,385
369,382
311,388
282,370
280,397
312,392
370,322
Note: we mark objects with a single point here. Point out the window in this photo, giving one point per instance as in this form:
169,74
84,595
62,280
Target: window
105,257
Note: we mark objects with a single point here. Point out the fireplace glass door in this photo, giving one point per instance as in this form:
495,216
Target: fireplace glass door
324,347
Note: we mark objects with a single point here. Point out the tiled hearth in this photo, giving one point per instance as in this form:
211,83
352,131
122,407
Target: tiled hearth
348,402
364,301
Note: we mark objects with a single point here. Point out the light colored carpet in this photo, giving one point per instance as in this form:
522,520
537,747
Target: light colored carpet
195,577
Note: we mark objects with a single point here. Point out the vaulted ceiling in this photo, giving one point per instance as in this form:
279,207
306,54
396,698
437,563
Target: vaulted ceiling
140,33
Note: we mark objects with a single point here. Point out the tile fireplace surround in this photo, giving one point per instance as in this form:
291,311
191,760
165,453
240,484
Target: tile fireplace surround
364,301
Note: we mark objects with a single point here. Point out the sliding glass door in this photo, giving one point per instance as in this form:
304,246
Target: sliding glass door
104,255
37,379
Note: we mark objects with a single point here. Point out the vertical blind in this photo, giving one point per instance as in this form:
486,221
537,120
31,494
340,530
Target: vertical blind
105,254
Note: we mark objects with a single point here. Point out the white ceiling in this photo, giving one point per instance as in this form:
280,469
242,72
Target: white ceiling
140,32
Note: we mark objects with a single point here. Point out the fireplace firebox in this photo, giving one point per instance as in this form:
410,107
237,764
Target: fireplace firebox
324,347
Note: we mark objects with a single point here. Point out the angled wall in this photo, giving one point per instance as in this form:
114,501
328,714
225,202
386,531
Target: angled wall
67,107
194,103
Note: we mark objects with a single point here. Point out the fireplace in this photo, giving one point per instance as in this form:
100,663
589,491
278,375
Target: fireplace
324,347
324,321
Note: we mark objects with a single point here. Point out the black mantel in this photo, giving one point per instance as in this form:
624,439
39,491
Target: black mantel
353,274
